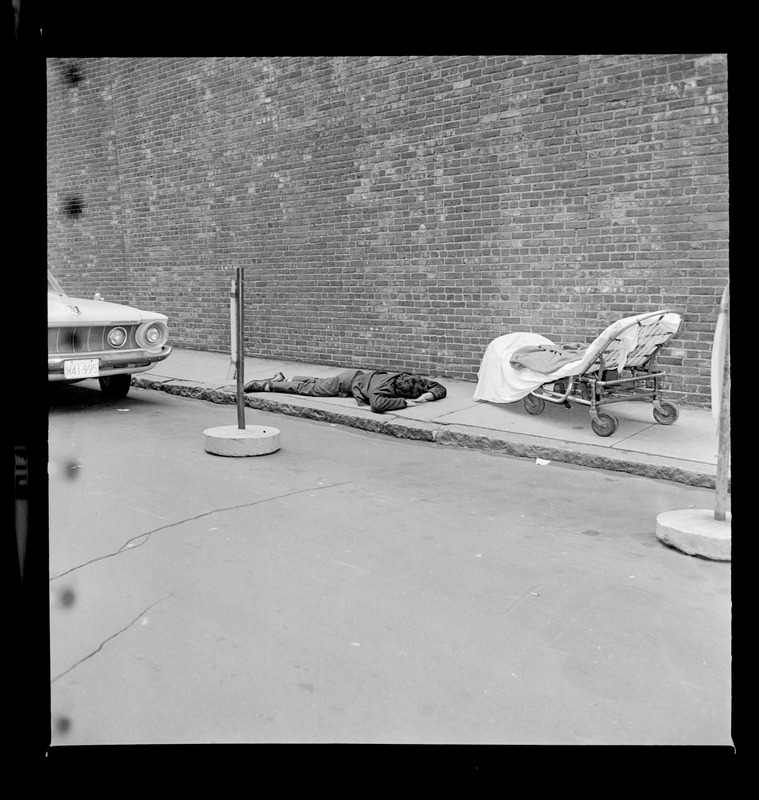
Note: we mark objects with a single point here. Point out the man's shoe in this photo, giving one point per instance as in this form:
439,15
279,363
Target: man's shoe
263,386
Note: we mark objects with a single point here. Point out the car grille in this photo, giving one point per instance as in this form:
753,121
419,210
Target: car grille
82,339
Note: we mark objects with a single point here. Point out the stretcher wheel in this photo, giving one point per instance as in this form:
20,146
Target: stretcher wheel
666,414
604,424
534,405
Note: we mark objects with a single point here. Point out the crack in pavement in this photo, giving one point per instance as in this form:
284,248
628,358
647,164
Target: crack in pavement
128,545
110,638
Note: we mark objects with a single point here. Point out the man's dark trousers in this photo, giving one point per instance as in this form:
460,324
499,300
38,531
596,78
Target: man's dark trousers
335,386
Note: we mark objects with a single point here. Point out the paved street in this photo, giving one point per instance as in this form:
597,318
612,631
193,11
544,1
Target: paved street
354,587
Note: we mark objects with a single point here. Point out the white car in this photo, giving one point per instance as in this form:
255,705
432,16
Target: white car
96,339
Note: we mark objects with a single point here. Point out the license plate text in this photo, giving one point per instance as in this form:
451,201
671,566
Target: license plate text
82,368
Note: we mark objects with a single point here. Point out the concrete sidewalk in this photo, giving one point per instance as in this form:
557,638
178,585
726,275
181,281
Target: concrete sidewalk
685,452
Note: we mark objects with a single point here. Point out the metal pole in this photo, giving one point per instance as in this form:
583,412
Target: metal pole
723,453
240,352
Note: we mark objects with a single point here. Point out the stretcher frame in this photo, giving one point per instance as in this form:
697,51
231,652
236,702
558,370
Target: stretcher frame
600,384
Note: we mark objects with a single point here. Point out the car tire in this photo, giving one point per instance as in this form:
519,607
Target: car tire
115,385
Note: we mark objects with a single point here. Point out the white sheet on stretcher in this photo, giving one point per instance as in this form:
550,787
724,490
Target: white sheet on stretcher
499,382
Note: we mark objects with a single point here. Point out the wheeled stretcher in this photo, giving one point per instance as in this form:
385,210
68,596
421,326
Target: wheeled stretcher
618,366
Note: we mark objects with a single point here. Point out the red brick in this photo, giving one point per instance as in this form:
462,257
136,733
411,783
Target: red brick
396,211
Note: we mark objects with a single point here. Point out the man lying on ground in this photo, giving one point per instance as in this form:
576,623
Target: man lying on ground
381,391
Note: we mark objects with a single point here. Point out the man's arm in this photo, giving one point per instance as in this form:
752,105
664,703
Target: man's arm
432,391
379,402
383,397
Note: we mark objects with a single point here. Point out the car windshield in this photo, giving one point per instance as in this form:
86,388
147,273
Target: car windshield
53,285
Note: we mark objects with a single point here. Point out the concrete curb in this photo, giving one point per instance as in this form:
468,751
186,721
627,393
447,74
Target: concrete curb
510,444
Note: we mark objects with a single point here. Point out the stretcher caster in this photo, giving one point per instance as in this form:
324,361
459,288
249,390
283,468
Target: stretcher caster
534,405
665,413
604,424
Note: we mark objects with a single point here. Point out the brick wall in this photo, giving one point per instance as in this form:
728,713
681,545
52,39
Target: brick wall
397,212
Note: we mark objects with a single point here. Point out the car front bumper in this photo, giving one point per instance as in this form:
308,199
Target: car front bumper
110,363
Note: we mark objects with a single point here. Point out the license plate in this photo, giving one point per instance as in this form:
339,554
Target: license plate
83,368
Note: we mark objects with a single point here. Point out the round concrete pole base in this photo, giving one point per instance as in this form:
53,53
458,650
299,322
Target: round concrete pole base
696,532
252,440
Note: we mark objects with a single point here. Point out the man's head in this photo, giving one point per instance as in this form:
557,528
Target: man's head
409,386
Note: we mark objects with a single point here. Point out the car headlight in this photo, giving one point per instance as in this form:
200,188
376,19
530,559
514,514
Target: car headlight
152,335
116,337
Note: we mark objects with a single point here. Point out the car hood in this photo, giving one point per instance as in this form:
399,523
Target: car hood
61,310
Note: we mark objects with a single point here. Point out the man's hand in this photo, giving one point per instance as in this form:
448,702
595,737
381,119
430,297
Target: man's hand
426,397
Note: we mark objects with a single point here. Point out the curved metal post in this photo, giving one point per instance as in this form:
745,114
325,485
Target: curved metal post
723,454
240,366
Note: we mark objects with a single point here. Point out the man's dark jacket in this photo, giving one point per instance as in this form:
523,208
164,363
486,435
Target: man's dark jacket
377,390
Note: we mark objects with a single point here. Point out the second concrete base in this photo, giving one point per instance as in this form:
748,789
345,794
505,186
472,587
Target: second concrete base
253,440
696,532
